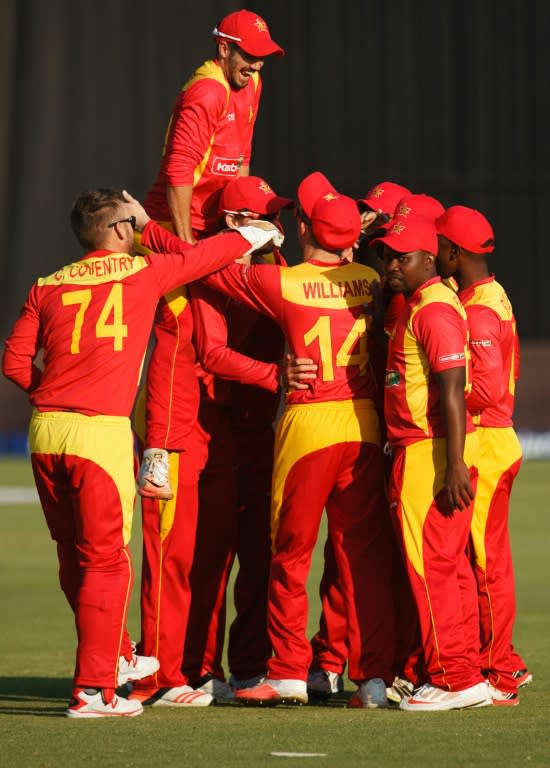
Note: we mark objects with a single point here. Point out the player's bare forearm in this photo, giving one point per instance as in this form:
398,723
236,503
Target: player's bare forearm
179,202
453,409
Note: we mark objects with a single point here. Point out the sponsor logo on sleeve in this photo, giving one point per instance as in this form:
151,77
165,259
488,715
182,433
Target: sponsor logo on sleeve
225,166
453,357
481,343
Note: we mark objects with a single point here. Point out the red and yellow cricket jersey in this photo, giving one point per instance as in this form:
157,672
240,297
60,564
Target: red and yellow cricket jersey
208,139
494,348
221,329
92,318
172,400
430,335
324,310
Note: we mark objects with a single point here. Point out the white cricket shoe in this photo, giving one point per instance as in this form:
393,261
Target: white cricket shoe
137,668
182,696
270,692
428,698
401,688
324,682
153,479
90,705
370,695
522,677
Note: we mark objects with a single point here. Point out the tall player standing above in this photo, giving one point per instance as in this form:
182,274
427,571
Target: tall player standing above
327,451
208,142
92,319
465,237
209,137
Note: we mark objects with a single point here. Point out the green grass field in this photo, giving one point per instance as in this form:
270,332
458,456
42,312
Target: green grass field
37,643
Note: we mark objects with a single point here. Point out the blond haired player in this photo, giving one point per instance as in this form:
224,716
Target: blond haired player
92,319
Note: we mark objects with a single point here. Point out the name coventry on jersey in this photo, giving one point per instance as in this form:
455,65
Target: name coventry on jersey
225,166
336,290
96,270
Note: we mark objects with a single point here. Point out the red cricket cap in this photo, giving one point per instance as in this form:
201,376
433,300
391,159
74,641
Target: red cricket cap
253,194
311,188
467,228
419,205
250,32
384,197
334,217
335,221
413,233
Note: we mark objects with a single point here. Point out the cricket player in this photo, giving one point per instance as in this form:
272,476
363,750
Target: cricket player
434,471
327,450
208,142
329,644
240,353
465,239
92,319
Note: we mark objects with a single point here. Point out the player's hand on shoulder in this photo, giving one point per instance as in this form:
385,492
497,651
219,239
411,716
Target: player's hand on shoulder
135,208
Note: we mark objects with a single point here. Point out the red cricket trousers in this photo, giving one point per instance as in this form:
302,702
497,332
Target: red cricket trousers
434,540
327,455
83,468
169,530
499,463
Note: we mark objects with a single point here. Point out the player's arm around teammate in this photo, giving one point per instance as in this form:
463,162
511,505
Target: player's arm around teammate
92,318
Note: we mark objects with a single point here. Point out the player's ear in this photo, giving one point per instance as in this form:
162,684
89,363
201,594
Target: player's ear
223,49
230,220
302,227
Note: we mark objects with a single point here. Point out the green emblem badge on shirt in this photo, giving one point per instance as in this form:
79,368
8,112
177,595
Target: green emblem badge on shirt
393,378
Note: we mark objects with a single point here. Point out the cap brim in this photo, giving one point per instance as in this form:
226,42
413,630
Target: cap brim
277,204
268,49
363,203
404,245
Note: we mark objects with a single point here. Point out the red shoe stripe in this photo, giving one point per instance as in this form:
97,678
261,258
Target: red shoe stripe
188,697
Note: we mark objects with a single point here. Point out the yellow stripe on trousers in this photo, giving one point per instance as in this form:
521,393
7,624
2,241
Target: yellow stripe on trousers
105,440
304,429
423,479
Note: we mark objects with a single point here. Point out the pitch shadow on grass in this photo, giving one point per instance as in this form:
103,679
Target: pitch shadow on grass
336,700
18,694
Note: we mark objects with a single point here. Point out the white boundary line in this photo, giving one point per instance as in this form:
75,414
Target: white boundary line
18,494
